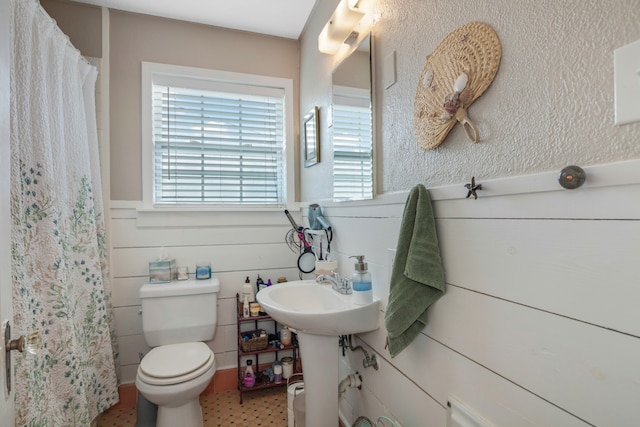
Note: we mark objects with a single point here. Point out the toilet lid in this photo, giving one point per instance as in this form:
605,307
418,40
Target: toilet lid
174,363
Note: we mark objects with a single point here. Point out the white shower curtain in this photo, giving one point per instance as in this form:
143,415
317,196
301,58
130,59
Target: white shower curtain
59,273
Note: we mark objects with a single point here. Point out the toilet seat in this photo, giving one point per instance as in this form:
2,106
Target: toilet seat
175,363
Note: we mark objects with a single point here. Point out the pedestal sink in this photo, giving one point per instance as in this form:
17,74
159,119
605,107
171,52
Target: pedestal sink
319,315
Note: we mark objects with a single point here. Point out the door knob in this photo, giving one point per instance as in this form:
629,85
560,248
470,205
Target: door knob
31,343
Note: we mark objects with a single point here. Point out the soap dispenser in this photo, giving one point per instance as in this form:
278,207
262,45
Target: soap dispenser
361,282
247,291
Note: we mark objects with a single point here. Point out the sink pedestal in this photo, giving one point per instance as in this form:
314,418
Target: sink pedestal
320,360
319,315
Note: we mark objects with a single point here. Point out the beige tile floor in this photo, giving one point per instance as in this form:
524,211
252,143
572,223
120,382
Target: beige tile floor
262,408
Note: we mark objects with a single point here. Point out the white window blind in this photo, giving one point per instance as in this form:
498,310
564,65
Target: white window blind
217,147
352,150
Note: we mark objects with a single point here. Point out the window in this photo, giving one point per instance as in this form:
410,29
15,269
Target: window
214,138
352,147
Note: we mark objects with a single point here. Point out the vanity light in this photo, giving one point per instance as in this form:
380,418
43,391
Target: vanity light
340,27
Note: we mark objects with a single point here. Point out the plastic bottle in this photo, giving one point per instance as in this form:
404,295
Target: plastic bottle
247,291
260,283
245,307
285,335
361,282
249,378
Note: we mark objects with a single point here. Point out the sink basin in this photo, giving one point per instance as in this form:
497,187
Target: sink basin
317,309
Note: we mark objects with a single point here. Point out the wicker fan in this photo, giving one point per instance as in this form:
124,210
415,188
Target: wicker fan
467,59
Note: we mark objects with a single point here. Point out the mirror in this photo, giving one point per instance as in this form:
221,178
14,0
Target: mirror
353,125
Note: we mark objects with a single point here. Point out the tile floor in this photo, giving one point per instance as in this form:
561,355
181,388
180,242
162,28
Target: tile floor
263,408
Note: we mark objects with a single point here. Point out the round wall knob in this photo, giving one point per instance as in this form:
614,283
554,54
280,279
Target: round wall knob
572,177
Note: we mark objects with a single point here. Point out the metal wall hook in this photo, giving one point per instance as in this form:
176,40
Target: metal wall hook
473,188
572,177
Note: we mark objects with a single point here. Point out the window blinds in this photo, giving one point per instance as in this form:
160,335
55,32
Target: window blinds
352,152
213,147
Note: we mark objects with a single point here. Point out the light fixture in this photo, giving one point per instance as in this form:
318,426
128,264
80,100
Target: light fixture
340,28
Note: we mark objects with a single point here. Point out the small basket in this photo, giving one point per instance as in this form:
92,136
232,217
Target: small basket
255,343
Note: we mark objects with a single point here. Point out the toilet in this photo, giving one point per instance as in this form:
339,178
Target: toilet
177,319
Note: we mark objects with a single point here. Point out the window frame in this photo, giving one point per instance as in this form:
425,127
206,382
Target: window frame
149,70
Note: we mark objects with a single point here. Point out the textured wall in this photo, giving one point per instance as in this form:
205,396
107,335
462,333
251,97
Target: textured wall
551,103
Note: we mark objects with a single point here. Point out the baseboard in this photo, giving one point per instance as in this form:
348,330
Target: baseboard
128,397
224,380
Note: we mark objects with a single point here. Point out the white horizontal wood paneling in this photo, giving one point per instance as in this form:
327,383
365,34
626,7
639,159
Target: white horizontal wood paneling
128,320
126,290
441,372
225,339
580,269
539,325
128,374
232,281
128,262
130,348
537,328
237,246
586,370
227,311
126,233
175,217
388,388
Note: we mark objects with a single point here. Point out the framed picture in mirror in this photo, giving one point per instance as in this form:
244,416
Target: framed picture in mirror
311,138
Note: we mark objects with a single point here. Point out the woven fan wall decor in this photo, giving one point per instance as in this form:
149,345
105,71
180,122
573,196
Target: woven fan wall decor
456,73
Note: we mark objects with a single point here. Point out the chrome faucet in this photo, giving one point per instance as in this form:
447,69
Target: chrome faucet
338,284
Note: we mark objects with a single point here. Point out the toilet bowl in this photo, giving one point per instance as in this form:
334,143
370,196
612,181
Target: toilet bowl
173,376
177,319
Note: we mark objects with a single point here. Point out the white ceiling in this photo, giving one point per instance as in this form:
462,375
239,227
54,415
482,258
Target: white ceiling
283,18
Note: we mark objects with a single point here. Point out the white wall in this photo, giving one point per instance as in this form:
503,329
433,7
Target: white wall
539,325
237,245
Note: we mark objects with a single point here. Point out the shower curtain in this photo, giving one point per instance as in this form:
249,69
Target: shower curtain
59,262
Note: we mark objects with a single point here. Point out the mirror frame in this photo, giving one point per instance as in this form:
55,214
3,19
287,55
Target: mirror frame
311,138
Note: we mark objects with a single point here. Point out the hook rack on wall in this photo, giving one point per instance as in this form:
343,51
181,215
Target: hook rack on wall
570,177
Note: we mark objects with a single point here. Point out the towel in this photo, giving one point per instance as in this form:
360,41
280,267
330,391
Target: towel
417,277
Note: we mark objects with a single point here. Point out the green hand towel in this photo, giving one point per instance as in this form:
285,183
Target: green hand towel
417,277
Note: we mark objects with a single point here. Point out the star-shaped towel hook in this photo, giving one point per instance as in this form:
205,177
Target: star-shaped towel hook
473,188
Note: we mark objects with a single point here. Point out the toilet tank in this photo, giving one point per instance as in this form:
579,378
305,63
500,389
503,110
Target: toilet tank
177,312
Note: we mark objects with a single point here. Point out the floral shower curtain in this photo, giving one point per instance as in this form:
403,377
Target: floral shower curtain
59,273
